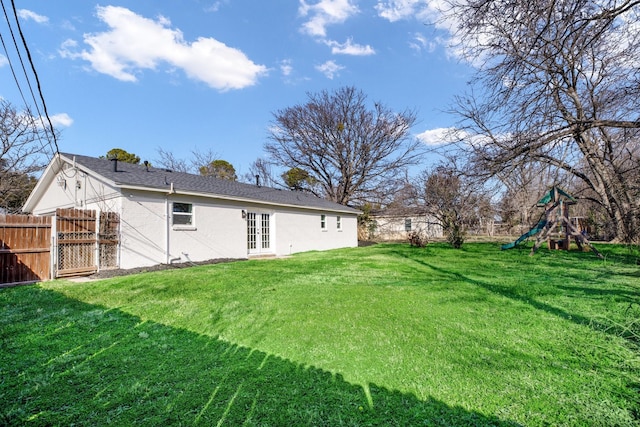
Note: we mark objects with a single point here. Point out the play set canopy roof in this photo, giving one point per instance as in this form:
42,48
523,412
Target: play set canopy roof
556,194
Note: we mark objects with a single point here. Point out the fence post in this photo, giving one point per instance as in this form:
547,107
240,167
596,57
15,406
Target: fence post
97,234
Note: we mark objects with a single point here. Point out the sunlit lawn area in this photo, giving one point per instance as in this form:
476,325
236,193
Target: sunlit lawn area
382,335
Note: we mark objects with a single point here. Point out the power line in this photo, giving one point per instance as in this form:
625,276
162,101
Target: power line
33,68
30,60
24,70
13,72
15,77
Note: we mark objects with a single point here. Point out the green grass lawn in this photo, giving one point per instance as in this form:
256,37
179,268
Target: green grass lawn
382,335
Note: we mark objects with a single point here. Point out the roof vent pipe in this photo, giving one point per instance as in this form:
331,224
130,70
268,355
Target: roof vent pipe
114,163
258,180
146,165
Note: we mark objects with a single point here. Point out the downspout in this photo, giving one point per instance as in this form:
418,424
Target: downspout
166,229
167,208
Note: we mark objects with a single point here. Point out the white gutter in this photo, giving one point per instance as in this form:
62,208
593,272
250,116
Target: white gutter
234,199
207,195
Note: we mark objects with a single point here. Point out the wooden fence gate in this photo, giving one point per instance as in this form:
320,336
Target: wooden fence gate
108,240
25,249
83,243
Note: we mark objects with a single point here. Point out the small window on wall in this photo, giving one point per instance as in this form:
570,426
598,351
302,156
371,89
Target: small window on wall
407,224
323,222
339,222
182,214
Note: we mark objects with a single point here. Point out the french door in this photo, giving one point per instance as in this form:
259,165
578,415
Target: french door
258,233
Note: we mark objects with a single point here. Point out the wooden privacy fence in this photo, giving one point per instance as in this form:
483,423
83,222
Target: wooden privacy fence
83,243
25,248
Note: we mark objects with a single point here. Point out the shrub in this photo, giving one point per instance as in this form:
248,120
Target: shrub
417,239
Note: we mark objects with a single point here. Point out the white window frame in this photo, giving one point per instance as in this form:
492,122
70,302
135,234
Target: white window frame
323,222
190,218
339,222
407,224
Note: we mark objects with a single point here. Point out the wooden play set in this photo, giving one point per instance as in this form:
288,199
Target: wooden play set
555,227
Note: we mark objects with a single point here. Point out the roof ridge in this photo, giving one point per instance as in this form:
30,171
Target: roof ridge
141,176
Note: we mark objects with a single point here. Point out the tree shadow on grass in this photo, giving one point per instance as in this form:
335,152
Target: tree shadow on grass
68,362
512,293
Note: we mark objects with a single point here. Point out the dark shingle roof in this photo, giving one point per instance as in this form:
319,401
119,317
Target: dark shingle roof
161,179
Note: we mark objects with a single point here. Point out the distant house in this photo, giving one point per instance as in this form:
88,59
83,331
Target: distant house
398,224
168,217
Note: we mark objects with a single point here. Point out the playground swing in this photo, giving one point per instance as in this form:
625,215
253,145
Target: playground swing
556,227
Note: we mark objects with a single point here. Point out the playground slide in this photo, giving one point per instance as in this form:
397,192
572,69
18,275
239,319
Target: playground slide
535,230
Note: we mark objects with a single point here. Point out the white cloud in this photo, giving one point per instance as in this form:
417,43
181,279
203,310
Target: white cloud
450,135
625,36
330,69
68,44
61,119
27,14
3,61
134,43
349,48
285,67
421,43
428,12
214,7
437,136
289,74
68,25
395,10
57,120
324,13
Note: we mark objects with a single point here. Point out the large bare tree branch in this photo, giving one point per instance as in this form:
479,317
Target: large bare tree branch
560,87
24,151
348,148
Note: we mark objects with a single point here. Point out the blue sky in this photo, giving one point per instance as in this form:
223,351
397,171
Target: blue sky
186,75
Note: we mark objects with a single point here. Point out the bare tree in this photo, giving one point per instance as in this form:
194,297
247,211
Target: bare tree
457,202
347,148
198,160
25,151
168,160
260,172
523,187
203,158
15,188
557,85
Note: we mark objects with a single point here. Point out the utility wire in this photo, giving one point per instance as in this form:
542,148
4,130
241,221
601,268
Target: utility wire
13,72
15,78
26,47
33,68
24,70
